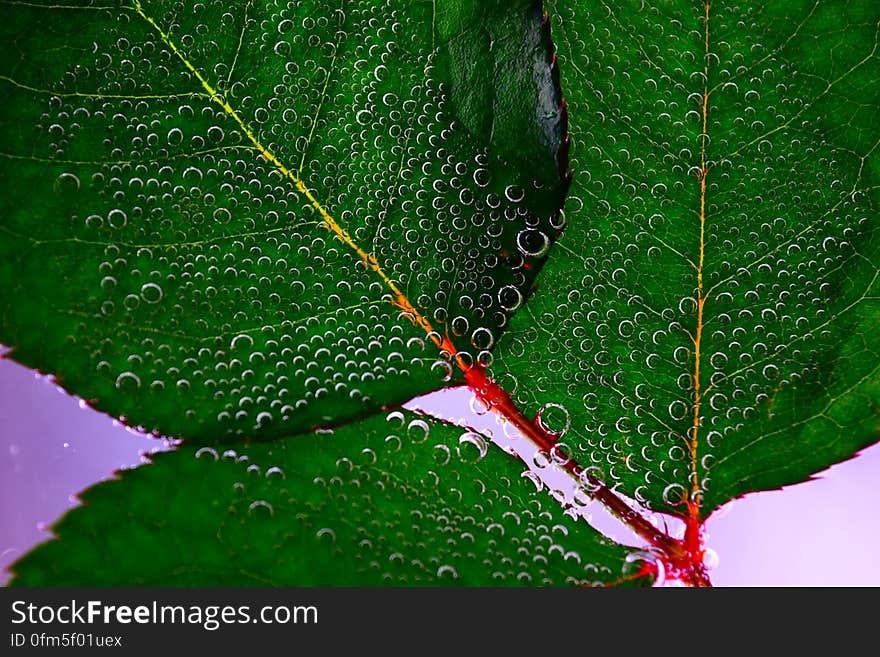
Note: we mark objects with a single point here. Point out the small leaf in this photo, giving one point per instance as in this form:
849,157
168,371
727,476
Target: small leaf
393,500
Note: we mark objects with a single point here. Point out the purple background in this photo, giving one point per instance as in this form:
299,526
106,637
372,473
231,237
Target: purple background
822,532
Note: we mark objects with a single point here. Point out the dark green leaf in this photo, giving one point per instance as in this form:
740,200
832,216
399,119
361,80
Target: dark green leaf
708,319
402,500
212,215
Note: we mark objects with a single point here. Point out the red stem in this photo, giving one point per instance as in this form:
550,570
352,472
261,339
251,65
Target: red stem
683,559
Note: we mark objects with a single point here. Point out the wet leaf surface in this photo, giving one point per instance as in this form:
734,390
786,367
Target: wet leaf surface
227,223
707,321
704,328
397,499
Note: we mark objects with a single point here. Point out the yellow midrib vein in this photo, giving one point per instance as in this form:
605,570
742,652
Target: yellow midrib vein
693,443
400,299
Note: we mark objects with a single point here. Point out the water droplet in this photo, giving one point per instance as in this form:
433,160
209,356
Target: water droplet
554,419
447,572
261,506
472,447
151,293
209,452
128,381
67,183
117,218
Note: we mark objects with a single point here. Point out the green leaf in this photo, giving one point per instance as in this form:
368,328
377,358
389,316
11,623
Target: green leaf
403,500
247,222
708,320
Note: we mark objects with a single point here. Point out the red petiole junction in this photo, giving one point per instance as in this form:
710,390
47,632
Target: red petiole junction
682,559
